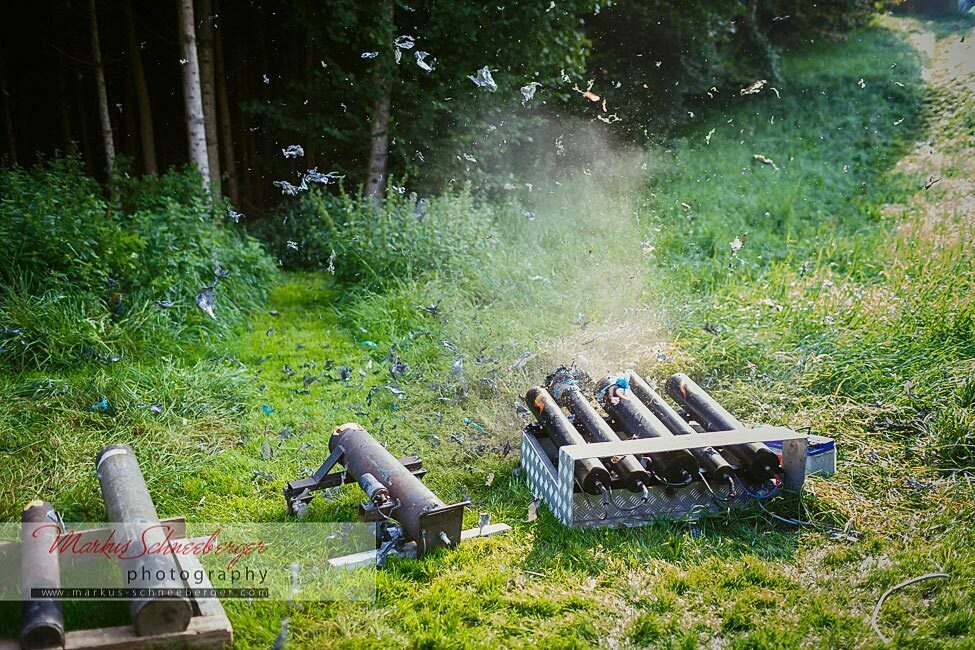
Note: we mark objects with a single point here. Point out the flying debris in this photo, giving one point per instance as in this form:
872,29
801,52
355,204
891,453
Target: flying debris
404,42
483,79
754,88
234,216
315,176
293,151
311,176
370,55
862,83
422,62
528,91
293,245
521,360
588,93
707,138
765,161
288,189
218,270
206,300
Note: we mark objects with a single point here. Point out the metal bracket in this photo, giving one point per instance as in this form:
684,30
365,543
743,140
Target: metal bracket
301,490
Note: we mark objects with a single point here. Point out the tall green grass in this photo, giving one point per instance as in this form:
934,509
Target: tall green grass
83,280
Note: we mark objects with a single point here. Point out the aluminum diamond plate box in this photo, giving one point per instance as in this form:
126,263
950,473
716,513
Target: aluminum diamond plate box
555,485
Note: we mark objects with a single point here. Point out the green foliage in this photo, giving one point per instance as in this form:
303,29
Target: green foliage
793,21
57,228
82,279
327,106
377,246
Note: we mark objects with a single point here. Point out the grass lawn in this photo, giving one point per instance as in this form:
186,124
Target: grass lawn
848,308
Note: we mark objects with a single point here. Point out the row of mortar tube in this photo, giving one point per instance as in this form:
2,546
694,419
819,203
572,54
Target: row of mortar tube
643,413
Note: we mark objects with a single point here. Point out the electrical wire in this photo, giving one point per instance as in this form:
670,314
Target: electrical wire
731,489
606,500
688,481
832,531
880,603
641,504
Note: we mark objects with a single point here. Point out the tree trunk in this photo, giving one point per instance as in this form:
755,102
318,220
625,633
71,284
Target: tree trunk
208,89
379,136
108,141
195,130
8,122
83,121
147,135
226,126
379,149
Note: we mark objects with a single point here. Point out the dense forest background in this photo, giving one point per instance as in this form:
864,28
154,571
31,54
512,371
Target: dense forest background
319,74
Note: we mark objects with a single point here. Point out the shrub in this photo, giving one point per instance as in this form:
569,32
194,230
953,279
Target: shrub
83,279
375,245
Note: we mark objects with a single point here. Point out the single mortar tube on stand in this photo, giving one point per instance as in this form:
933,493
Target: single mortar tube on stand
760,462
426,519
129,504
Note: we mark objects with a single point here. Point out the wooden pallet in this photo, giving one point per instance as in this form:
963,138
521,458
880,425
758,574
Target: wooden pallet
209,627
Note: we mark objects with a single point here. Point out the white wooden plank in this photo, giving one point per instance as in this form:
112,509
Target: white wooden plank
368,558
670,443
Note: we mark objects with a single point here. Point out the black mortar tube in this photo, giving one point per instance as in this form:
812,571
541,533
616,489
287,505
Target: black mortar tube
675,467
590,473
709,457
41,621
760,462
595,429
129,504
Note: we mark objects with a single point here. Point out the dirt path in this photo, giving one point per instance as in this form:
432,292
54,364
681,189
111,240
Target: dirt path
945,210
